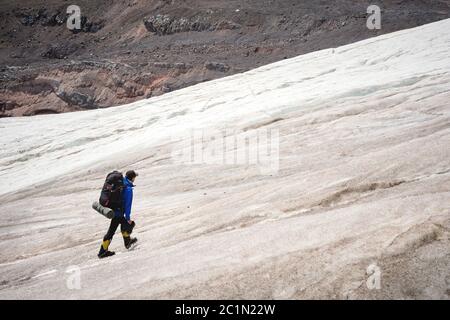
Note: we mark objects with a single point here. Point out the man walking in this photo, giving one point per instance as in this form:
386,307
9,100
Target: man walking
122,217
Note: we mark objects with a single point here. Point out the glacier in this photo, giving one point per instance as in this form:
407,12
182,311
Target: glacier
363,181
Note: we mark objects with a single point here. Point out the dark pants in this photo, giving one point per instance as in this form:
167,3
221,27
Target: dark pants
125,228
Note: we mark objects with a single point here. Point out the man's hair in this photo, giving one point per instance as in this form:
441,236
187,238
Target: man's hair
131,174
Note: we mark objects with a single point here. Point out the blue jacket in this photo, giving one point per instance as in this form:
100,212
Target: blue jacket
127,199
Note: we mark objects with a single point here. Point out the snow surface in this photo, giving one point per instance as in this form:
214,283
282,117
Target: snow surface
364,172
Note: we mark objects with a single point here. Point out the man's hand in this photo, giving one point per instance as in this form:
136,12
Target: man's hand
130,221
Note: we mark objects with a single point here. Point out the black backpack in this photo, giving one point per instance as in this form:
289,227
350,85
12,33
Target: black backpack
111,195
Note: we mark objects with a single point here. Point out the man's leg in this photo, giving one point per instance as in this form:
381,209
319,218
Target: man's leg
108,236
126,230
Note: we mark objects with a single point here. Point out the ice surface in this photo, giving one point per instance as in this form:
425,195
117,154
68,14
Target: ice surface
364,172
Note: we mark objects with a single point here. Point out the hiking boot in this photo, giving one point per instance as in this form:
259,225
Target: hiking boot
106,254
104,247
129,242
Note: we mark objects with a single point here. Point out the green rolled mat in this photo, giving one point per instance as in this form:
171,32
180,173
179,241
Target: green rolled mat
106,212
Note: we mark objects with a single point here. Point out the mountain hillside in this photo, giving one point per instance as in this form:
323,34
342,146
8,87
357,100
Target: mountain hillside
130,50
358,177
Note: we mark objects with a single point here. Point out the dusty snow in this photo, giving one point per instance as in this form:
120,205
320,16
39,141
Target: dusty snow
364,172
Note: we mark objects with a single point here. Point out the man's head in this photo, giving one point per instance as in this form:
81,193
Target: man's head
131,175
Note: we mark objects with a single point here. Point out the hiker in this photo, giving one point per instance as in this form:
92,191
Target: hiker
122,212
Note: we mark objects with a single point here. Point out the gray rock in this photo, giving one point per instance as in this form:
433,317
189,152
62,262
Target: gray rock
77,99
217,66
165,24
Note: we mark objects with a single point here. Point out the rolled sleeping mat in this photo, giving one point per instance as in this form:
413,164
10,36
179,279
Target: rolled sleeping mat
106,212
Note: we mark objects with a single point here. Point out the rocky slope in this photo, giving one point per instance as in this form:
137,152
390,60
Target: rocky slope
134,49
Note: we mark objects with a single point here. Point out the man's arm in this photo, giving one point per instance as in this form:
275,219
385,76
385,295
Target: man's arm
128,200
